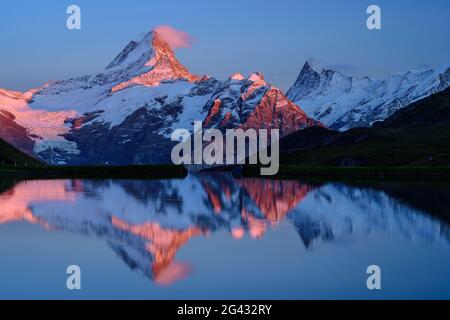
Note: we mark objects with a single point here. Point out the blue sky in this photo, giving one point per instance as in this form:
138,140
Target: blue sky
274,37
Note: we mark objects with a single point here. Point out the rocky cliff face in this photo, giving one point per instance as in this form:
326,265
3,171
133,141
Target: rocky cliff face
127,113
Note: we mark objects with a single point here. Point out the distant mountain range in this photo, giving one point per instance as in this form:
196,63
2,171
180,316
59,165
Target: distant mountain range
126,113
342,102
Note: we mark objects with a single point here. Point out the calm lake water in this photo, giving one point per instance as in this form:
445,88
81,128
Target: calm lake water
211,236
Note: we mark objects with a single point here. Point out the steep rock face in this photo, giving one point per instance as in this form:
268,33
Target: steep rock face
275,111
253,103
343,102
127,113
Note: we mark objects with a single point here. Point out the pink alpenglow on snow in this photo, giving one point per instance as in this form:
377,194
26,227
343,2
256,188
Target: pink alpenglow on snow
163,65
123,113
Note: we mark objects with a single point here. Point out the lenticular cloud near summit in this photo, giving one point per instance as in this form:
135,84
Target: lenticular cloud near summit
175,38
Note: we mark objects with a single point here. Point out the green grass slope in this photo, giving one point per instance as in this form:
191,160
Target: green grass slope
434,110
10,156
384,147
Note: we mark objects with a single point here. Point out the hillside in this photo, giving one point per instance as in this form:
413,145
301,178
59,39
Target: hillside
12,156
419,135
434,110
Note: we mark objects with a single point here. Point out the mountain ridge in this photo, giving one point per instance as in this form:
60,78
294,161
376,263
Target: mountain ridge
343,102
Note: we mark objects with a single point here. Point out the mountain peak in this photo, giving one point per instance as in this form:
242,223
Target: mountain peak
135,53
257,77
237,76
307,81
310,67
155,61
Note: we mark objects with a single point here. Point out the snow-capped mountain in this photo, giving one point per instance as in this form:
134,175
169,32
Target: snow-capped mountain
342,102
127,113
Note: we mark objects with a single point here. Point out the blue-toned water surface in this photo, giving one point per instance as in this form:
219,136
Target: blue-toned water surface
213,236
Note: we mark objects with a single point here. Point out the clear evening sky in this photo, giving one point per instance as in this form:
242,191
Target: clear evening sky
274,37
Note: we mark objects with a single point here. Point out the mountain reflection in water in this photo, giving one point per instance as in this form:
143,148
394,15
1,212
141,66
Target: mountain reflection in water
147,222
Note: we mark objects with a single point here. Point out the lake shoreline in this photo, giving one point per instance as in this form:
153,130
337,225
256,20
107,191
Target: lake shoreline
355,173
171,171
94,172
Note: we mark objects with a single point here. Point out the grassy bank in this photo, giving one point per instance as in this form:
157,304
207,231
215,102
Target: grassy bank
93,172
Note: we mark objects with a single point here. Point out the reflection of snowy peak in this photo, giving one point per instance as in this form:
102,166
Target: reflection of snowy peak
125,113
147,222
343,102
337,211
